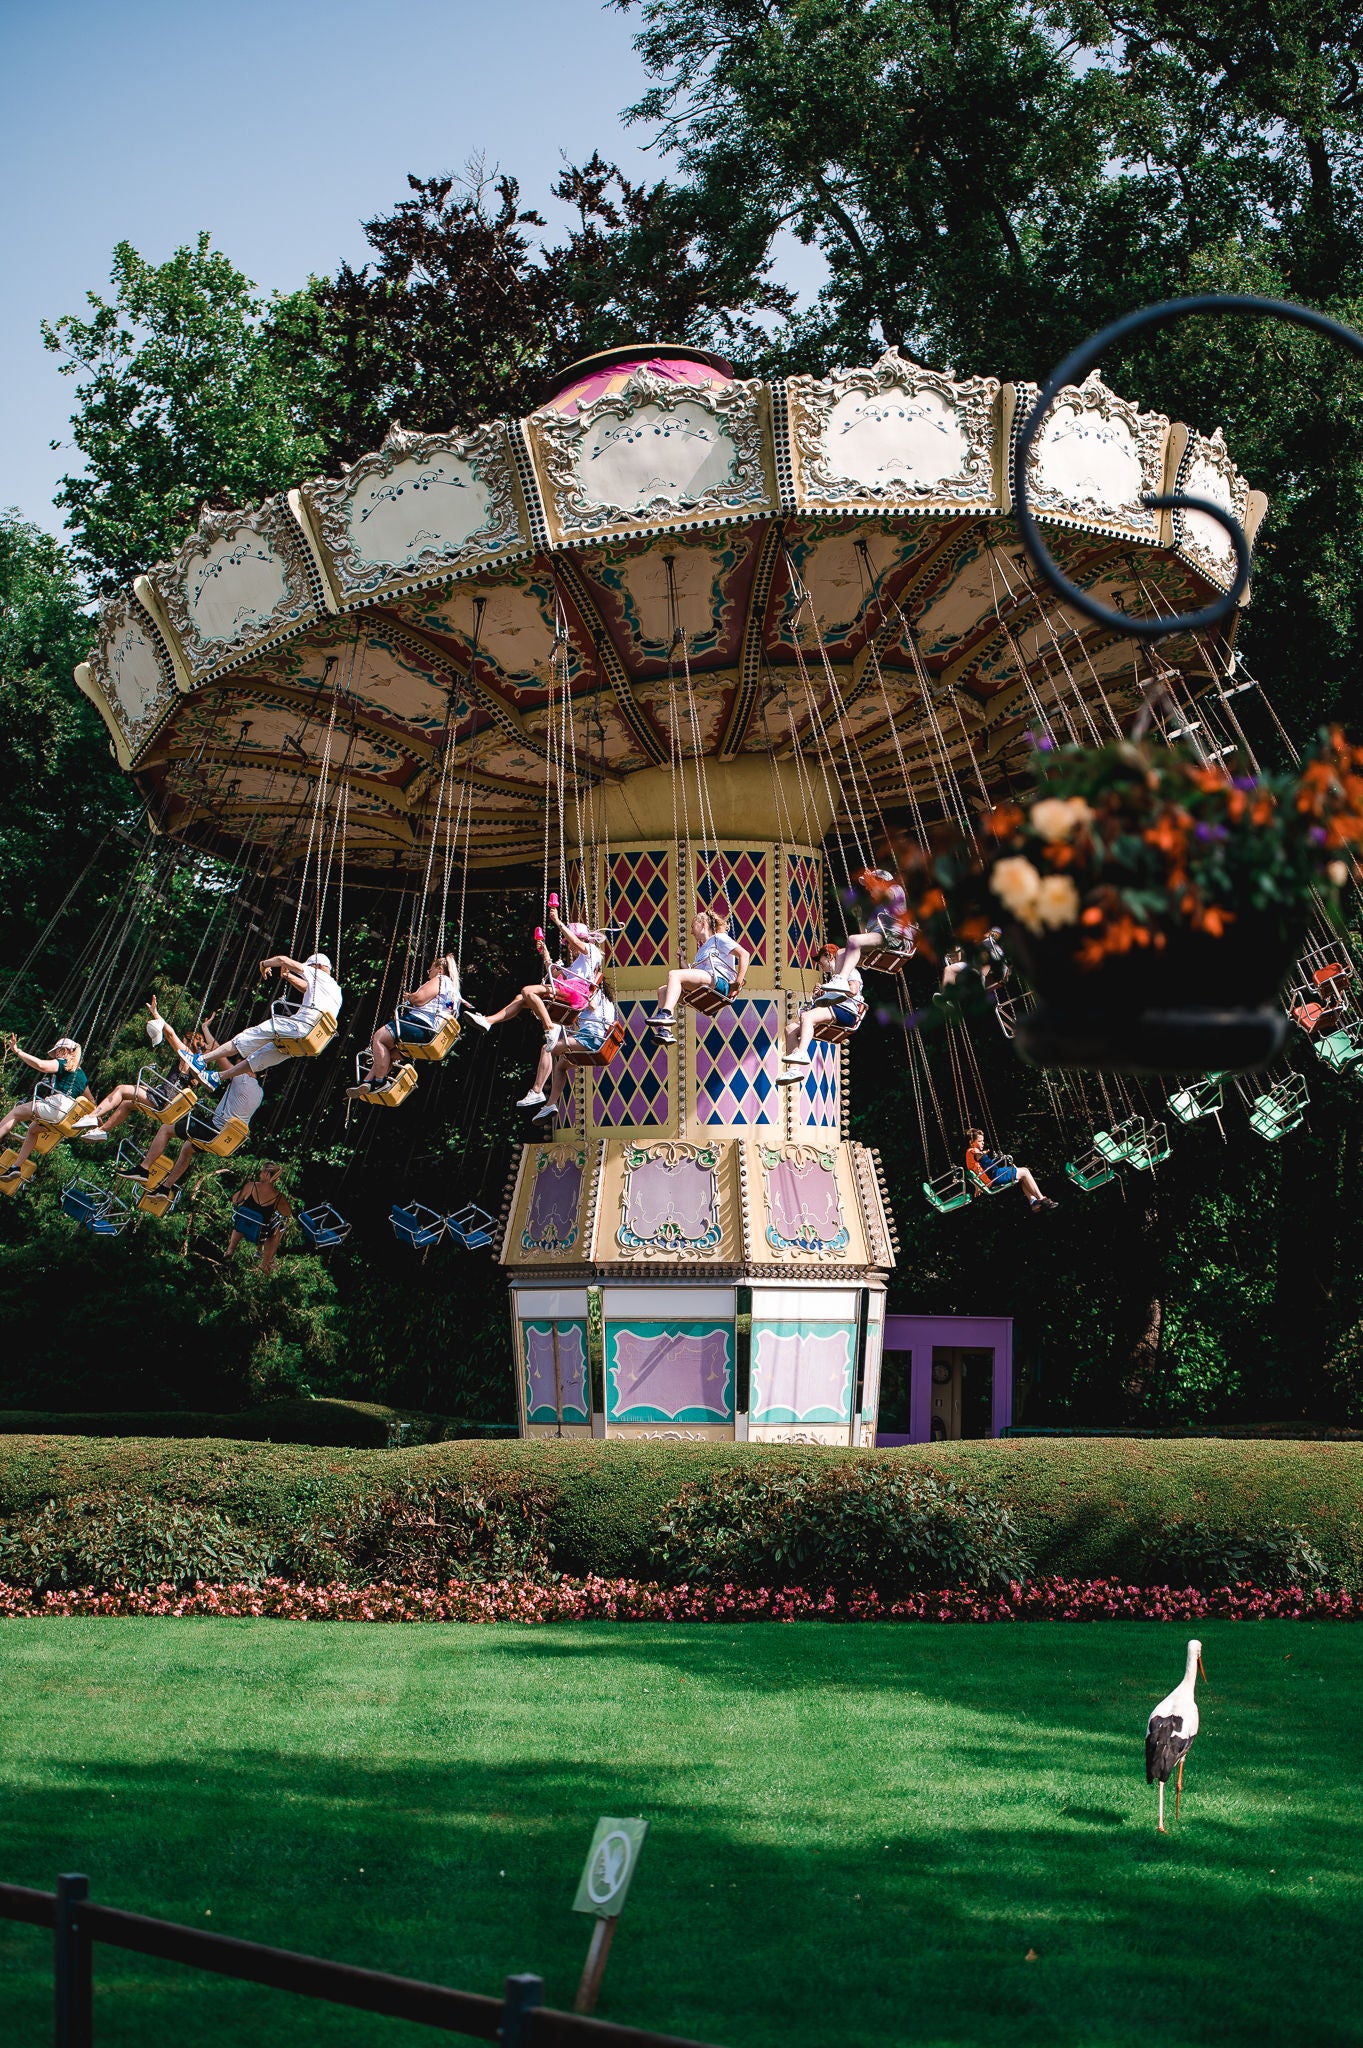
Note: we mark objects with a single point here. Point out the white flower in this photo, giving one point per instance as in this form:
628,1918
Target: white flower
1058,902
1017,885
1060,817
1338,873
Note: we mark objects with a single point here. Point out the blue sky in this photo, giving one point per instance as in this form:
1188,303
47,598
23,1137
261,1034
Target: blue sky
278,125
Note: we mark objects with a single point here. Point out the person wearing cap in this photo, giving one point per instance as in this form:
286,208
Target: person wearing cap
571,980
120,1102
720,963
54,1107
241,1097
257,1048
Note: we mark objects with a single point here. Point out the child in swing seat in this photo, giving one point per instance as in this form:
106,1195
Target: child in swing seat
720,963
570,980
989,1169
68,1085
419,1016
888,925
837,1000
553,1081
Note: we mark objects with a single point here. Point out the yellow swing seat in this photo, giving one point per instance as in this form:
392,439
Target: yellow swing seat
152,1202
220,1144
394,1091
180,1104
433,1048
51,1135
316,1039
13,1182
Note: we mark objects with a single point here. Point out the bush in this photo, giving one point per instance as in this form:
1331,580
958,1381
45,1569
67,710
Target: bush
844,1525
105,1541
1194,1554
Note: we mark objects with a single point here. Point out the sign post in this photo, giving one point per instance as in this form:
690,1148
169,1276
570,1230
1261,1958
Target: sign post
601,1890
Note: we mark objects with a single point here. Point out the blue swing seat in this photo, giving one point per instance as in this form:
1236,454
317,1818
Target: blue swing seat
95,1208
323,1227
472,1227
417,1225
250,1224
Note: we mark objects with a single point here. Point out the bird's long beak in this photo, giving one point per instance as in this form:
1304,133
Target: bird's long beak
1203,1669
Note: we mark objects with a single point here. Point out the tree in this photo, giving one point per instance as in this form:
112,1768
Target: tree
185,398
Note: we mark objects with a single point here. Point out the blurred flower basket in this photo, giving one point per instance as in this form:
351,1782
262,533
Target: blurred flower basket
1154,903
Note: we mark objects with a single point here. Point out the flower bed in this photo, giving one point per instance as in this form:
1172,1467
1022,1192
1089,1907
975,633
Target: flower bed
599,1599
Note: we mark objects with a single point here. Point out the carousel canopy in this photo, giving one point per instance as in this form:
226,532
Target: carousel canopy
465,634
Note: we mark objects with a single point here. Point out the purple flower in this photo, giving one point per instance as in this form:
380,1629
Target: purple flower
1204,831
1246,782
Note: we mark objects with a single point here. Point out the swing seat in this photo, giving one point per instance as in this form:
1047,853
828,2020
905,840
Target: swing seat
1151,1150
1089,1173
980,1186
709,1001
316,1039
886,959
1198,1099
1117,1145
84,1199
1280,1109
949,1191
323,1227
599,1056
220,1144
473,1227
51,1135
833,1034
13,1183
433,1048
248,1223
417,1225
179,1104
561,1012
1342,1049
394,1091
152,1203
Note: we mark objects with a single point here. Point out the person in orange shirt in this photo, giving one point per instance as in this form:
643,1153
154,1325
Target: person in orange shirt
987,1170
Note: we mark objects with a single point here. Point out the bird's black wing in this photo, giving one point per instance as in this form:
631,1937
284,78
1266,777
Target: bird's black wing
1165,1743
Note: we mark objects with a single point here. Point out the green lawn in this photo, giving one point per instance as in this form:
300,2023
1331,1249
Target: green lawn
858,1833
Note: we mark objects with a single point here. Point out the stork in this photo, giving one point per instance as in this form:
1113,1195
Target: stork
1170,1730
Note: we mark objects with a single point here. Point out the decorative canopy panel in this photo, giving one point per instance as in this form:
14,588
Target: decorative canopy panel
663,562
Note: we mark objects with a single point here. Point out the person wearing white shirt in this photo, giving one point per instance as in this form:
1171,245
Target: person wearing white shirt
420,1014
319,992
554,1078
837,1000
720,963
241,1098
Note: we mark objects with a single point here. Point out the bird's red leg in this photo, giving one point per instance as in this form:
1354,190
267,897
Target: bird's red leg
1178,1789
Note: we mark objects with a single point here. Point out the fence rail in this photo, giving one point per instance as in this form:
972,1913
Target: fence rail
516,2020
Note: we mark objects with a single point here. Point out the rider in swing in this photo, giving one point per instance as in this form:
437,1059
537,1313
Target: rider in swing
720,963
990,1172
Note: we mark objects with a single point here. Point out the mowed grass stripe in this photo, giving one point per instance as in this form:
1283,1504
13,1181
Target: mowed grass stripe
858,1832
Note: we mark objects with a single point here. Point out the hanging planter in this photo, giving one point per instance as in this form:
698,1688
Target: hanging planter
1155,903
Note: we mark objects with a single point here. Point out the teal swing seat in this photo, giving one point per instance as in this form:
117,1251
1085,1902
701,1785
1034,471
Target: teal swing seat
949,1191
1150,1150
1280,1109
1090,1172
1200,1098
1342,1049
1115,1145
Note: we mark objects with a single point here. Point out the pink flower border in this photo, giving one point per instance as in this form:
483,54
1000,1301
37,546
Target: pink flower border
598,1599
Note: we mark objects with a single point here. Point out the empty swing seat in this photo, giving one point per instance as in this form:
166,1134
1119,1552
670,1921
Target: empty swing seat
949,1191
1280,1109
1116,1145
1342,1049
323,1227
1090,1172
595,1056
1150,1150
473,1227
220,1144
395,1090
95,1208
432,1048
1198,1099
417,1225
308,1044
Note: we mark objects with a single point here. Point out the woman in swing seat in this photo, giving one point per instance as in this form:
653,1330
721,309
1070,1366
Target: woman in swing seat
993,972
720,963
553,1080
888,926
264,1200
987,1168
68,1085
570,980
191,1054
420,1014
837,1000
320,994
241,1098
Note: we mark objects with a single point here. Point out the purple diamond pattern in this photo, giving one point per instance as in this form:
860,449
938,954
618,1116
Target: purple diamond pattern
736,1064
818,1104
741,879
804,919
633,1092
637,903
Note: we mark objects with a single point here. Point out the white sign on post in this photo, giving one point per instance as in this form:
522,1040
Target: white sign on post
609,1869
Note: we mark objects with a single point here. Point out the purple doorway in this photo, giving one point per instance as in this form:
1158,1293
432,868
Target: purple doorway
944,1377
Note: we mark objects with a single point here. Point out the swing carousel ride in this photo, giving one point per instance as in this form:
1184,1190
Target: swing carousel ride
679,637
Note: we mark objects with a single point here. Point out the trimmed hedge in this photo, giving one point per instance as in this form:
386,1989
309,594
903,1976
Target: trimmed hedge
360,1425
1086,1509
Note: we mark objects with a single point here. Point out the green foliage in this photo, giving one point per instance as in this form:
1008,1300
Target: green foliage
112,1539
843,1525
182,400
1196,1554
1079,1508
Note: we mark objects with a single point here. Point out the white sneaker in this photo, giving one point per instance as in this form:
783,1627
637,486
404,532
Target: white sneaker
88,1123
789,1077
97,1136
549,1109
477,1017
531,1100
